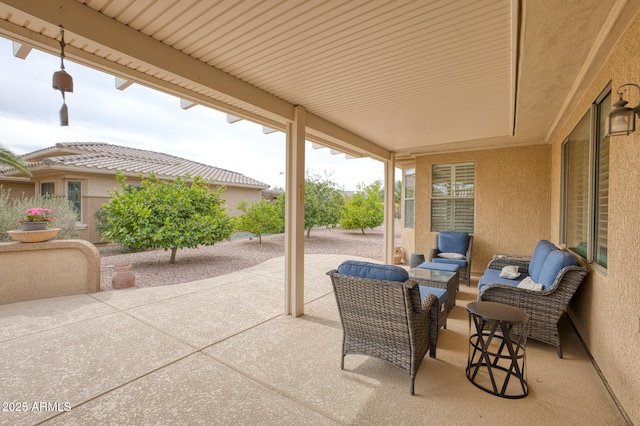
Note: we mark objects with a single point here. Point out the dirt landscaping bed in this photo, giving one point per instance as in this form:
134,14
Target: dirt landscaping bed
152,268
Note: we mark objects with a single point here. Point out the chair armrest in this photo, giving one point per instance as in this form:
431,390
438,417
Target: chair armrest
499,261
431,254
430,306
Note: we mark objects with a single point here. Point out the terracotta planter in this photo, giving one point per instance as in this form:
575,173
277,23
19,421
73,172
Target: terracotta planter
34,226
34,236
398,253
124,277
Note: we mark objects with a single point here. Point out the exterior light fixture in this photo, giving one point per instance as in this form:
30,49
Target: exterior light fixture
622,119
63,82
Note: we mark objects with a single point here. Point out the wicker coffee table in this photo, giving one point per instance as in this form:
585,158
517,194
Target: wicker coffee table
443,280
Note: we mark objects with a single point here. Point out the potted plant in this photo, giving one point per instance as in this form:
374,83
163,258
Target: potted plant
36,219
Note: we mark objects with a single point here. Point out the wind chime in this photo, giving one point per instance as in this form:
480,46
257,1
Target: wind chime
63,82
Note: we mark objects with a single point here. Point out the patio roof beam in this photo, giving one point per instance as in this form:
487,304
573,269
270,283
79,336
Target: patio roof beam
85,22
122,83
88,23
21,50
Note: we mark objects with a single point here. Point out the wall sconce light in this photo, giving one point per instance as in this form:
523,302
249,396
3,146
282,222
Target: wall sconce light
63,82
622,119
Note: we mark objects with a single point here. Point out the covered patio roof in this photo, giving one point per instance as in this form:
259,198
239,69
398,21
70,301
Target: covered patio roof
374,77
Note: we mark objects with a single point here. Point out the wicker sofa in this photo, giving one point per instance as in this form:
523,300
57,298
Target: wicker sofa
560,276
383,315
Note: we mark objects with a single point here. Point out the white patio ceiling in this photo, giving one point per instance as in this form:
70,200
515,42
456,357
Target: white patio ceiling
375,76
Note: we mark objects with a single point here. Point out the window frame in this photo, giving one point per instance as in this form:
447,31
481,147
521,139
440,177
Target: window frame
409,219
453,196
67,195
597,140
46,193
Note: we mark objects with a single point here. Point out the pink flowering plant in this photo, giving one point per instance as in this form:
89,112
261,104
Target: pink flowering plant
37,214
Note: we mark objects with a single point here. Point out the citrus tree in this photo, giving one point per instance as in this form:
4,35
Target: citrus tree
163,214
365,209
260,218
323,202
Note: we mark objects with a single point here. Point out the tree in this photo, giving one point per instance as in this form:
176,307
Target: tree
397,192
260,218
365,209
323,202
162,214
10,159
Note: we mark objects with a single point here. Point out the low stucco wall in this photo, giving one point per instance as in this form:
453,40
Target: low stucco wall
54,268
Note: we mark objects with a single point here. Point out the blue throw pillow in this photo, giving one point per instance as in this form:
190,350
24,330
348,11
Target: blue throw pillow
373,271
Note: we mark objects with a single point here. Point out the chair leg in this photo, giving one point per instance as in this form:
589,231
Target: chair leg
411,388
559,351
342,362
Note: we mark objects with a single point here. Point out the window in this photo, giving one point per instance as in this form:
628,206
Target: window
585,216
452,197
47,189
74,195
409,197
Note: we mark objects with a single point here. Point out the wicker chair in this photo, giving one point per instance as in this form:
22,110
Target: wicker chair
450,242
543,307
386,320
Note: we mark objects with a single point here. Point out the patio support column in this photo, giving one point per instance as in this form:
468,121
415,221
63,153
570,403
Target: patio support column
389,208
294,216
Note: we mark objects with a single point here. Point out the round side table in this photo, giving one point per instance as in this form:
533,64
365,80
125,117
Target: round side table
497,349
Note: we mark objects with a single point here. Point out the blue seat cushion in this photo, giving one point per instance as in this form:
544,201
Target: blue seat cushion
459,262
453,242
540,253
492,276
440,293
439,266
373,271
556,260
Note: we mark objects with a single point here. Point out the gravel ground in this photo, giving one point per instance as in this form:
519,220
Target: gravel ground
152,268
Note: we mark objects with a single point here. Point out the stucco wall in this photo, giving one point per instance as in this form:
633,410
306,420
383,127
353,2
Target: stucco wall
233,195
606,308
49,269
512,200
19,189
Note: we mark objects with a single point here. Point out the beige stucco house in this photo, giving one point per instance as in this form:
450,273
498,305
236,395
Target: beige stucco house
505,88
83,172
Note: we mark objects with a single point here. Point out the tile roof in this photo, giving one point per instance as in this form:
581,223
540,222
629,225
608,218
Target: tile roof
100,155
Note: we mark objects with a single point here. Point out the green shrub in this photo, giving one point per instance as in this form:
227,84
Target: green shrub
12,209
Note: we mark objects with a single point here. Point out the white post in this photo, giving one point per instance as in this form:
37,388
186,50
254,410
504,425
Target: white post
294,215
389,201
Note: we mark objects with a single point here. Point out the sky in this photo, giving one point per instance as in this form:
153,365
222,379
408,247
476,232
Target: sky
144,118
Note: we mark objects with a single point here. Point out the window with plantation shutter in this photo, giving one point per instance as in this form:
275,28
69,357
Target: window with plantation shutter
601,230
585,218
452,197
409,197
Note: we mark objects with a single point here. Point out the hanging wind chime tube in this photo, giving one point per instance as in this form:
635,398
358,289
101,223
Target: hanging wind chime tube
63,82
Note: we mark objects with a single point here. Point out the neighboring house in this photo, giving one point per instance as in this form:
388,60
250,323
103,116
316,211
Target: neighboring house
83,172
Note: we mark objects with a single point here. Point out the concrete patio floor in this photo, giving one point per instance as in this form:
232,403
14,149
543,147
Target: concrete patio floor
219,351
